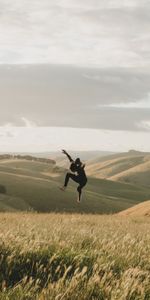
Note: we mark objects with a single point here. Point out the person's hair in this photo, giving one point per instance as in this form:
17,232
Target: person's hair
73,167
78,161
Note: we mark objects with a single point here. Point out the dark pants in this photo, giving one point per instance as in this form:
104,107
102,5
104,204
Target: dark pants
82,182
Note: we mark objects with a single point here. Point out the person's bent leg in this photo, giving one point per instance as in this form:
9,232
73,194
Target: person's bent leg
72,176
67,179
66,182
68,176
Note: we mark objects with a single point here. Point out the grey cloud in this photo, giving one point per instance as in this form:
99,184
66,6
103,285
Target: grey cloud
67,96
123,119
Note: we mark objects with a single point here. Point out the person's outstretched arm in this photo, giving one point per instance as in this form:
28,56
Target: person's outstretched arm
69,157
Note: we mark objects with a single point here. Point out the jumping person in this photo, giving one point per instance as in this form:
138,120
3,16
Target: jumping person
80,176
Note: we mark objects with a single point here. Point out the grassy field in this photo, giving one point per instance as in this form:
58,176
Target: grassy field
36,186
74,256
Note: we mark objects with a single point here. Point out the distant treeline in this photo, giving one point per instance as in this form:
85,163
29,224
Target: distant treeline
28,157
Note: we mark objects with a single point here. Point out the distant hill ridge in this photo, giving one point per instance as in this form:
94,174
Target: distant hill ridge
130,167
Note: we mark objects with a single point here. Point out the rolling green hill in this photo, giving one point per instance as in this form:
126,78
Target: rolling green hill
35,186
11,204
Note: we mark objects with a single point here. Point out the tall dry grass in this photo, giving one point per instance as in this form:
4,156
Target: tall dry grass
74,257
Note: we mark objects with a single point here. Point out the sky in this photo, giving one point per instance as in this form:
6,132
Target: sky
74,74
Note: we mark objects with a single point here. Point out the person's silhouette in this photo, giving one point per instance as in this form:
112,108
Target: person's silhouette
80,176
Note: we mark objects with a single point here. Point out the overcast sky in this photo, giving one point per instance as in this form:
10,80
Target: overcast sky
75,64
99,33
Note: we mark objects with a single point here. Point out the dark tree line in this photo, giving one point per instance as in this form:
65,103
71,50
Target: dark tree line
28,157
